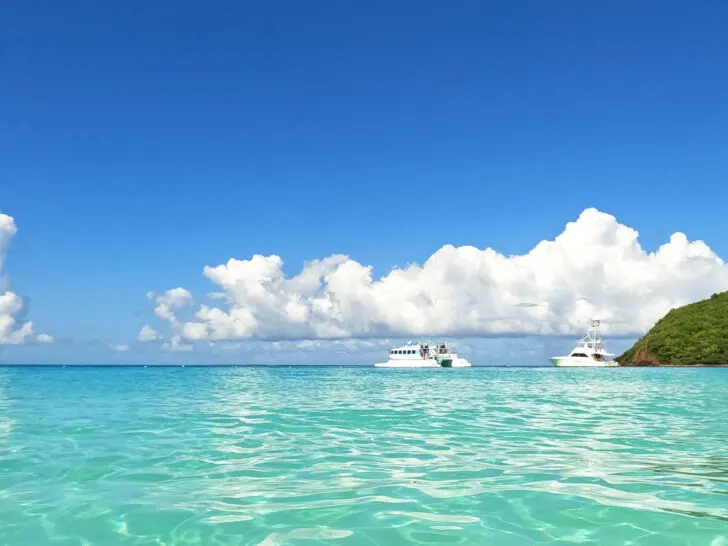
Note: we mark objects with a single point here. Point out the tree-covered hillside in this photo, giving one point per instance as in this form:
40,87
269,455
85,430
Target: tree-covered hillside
693,334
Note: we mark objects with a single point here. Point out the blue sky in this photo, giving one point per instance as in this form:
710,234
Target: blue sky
143,142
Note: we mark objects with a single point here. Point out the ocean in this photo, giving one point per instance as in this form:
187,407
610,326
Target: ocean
363,456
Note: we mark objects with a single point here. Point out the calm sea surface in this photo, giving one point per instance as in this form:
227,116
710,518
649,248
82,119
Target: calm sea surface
171,456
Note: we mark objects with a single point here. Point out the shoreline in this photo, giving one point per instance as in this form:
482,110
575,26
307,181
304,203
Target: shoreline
673,366
360,366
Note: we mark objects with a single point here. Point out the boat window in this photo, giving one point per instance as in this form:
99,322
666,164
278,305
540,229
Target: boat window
578,354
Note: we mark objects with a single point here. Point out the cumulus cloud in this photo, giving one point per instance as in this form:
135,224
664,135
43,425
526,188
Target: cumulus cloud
13,330
176,344
337,351
595,268
170,301
119,348
8,229
147,333
45,338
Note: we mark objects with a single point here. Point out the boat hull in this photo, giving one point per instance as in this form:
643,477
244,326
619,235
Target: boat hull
459,363
581,362
409,363
424,363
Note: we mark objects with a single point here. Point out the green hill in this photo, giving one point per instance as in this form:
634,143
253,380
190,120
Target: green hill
693,334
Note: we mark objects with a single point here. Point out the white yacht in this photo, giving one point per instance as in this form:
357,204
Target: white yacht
589,352
423,355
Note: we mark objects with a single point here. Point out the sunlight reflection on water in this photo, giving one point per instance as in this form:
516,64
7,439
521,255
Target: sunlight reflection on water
363,456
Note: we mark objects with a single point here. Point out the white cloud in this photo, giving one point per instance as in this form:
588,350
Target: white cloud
13,330
594,268
337,352
8,230
147,333
175,344
119,348
170,301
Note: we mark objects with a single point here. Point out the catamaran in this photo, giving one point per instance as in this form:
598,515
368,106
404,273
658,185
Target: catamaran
423,355
589,352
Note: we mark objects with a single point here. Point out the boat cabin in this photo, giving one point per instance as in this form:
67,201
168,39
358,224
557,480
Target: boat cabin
419,351
596,356
407,351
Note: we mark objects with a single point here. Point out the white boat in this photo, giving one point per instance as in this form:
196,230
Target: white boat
423,355
588,353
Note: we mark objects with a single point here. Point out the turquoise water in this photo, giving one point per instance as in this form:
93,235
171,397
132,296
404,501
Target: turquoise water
363,456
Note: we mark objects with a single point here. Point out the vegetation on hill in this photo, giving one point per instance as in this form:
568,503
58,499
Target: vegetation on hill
693,334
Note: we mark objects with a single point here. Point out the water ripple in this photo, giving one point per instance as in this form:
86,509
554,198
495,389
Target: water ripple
362,456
